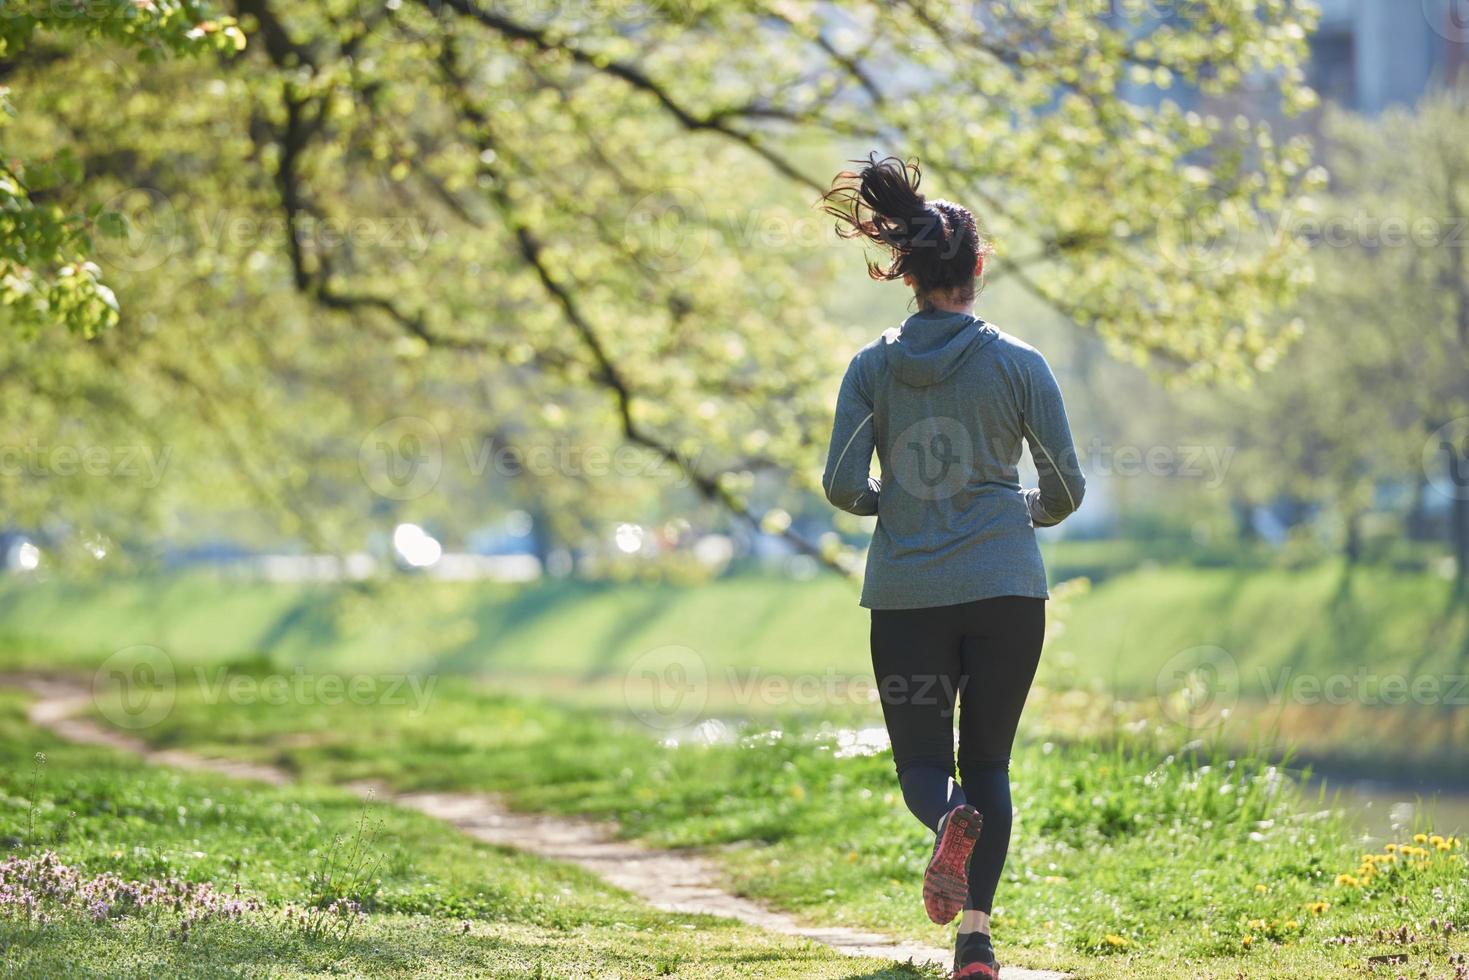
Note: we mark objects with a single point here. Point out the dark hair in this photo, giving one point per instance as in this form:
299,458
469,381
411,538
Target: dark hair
936,242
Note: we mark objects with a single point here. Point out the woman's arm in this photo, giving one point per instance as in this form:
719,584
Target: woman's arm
1043,416
848,482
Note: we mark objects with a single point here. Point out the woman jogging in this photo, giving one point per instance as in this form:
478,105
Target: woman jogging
954,577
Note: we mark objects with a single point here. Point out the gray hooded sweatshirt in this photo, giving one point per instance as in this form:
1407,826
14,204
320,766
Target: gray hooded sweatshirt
945,400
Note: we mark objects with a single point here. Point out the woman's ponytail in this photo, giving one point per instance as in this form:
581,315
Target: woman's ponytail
937,242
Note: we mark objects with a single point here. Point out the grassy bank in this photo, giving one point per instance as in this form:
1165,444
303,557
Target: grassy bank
1123,631
1366,671
1127,861
433,902
1131,857
1276,624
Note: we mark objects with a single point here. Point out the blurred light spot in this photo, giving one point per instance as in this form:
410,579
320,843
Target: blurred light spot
415,546
628,538
27,556
518,523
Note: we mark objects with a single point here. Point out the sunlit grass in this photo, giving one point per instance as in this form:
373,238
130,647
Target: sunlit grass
437,903
1127,852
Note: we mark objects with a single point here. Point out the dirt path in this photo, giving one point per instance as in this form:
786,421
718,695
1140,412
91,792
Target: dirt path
676,881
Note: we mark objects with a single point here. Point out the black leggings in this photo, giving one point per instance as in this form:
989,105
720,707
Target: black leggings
982,655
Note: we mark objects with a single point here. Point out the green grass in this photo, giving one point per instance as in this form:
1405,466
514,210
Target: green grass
1125,859
1279,627
577,629
1316,619
105,812
1128,860
1362,672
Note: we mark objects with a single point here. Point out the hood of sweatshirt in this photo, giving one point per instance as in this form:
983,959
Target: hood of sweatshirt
929,347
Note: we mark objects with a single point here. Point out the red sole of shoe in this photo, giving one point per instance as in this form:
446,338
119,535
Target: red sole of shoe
946,882
977,971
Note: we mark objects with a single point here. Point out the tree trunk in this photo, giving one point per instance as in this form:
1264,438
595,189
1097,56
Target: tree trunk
1244,521
1352,548
1416,524
1460,531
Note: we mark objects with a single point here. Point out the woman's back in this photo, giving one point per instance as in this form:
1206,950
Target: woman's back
945,401
954,577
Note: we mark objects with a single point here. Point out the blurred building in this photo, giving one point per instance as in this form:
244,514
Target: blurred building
1366,56
1369,55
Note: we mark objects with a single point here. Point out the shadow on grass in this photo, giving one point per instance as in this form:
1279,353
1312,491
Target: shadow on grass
407,947
498,618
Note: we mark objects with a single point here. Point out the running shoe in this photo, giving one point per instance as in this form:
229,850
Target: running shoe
974,958
946,882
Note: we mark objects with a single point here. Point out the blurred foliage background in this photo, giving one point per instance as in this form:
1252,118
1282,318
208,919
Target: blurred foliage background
358,293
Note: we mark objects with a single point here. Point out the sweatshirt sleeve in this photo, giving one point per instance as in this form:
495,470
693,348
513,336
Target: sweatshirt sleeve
1048,434
847,481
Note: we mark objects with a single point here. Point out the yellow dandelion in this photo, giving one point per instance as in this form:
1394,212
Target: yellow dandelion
1261,889
1317,908
1112,939
1247,940
1420,838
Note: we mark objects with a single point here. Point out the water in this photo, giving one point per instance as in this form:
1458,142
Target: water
1381,810
845,742
1385,810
